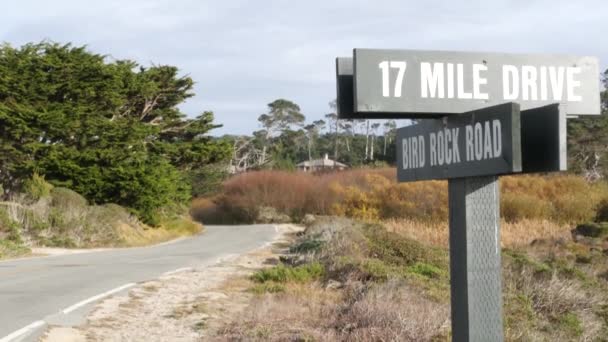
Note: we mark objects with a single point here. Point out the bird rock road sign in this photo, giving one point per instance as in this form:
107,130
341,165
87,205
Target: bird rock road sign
497,140
482,142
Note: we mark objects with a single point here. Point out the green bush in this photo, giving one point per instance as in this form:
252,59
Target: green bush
66,199
398,250
269,287
37,187
134,180
11,249
207,180
307,246
284,274
9,228
571,323
426,270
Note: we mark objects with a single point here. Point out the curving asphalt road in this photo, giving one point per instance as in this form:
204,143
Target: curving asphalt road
38,291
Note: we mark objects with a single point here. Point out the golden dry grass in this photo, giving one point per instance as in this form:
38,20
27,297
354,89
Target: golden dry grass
512,234
136,236
311,312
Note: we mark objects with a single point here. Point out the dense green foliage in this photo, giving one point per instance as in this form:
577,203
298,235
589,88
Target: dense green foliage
110,130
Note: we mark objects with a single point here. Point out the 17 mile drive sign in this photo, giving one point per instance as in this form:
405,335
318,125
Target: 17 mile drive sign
422,84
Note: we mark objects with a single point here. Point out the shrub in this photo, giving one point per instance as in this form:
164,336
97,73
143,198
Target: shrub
594,230
66,199
9,229
602,211
560,198
426,270
207,180
260,289
284,274
521,206
11,249
37,187
374,194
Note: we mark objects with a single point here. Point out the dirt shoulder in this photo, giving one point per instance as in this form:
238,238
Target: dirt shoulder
184,306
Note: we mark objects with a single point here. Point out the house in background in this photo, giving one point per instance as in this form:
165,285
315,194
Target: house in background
320,165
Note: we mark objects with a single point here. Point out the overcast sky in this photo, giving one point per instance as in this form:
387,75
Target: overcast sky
245,54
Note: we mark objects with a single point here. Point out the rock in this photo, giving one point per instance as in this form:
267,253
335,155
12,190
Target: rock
309,219
333,285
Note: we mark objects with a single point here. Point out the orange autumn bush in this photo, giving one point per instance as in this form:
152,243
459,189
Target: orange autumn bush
374,194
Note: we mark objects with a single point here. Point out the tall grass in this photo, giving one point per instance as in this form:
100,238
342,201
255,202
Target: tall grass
512,234
374,194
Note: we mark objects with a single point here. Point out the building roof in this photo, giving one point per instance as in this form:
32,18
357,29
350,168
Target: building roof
325,162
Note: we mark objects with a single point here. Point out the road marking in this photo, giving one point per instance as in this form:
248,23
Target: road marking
183,269
22,331
94,298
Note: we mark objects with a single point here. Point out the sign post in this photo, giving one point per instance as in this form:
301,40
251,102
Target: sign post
475,272
470,150
480,115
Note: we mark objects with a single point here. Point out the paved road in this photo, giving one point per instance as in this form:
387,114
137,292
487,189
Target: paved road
37,289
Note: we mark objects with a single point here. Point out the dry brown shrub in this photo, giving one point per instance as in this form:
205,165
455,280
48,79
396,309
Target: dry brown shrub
551,298
304,311
561,198
393,311
204,209
374,194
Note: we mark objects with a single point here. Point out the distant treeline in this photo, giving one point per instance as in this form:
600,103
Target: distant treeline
286,138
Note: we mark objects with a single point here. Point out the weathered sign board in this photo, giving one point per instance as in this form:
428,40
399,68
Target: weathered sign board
497,140
477,143
481,115
345,101
419,84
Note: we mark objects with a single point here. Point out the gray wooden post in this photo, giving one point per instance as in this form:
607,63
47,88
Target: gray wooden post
475,259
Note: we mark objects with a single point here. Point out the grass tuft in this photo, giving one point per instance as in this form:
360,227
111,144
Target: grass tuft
284,274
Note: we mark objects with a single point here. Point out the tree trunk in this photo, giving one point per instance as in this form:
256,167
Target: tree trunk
384,139
371,152
263,157
309,148
367,140
336,144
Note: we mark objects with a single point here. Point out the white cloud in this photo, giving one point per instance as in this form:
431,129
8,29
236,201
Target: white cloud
244,54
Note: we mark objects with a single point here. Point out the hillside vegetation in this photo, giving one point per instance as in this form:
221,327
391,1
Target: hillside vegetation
373,263
95,152
108,129
350,281
48,216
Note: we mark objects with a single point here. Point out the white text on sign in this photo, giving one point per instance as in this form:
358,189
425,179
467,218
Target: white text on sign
482,141
468,82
